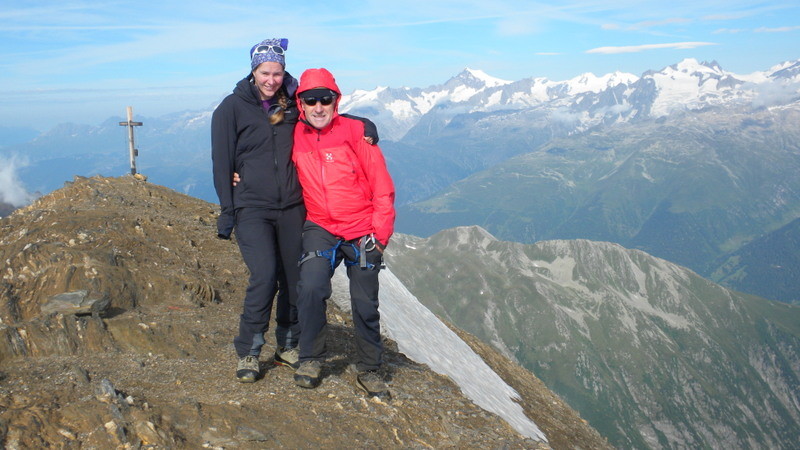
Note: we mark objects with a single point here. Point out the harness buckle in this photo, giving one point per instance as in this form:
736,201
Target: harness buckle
360,247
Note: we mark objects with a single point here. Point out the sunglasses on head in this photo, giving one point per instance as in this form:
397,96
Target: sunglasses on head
311,101
277,49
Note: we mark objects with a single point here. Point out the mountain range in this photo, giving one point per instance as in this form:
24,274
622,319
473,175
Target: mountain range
582,102
689,163
651,354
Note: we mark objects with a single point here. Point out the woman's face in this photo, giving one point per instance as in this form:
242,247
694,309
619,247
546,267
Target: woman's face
268,78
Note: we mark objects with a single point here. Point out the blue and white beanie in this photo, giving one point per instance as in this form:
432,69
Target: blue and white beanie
266,51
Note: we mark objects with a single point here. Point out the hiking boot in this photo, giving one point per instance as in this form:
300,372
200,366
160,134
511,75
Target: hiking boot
308,375
289,357
248,368
371,382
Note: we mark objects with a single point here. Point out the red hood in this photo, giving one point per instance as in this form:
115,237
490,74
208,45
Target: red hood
315,78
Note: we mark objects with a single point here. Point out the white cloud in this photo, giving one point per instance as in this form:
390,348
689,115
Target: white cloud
646,24
729,30
773,93
11,189
641,48
777,30
565,116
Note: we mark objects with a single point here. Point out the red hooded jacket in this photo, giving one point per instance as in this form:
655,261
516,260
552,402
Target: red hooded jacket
346,187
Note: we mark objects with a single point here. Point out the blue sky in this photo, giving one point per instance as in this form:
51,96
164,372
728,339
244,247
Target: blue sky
83,62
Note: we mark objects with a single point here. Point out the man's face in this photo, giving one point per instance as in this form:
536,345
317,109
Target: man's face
318,108
268,78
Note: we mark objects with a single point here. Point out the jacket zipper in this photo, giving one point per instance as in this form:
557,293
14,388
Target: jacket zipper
320,158
275,168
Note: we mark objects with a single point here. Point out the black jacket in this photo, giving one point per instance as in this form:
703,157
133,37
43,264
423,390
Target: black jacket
243,141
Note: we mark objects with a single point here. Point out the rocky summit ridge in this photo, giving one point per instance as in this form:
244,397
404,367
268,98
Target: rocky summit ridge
118,305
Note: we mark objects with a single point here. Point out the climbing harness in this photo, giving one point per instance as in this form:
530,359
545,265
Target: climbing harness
361,246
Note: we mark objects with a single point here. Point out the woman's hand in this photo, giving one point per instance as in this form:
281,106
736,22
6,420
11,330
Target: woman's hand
236,178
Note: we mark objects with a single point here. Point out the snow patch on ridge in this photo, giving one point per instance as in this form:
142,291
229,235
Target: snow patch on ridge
427,340
463,93
401,109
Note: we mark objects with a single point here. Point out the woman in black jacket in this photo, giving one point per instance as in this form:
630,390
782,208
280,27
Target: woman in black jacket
251,134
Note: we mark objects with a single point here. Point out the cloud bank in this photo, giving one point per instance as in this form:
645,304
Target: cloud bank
12,190
641,48
775,93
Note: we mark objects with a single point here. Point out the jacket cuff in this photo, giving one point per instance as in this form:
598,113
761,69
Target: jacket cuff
225,223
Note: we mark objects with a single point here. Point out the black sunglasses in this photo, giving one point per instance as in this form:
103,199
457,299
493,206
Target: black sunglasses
311,101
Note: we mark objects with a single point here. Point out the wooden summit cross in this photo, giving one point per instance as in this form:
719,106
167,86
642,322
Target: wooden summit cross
134,152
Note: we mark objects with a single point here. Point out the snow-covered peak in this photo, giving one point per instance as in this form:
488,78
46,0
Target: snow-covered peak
690,84
781,67
475,79
360,95
369,94
618,77
691,66
788,70
589,82
487,79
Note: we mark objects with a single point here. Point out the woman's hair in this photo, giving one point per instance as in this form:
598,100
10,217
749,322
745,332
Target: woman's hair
283,101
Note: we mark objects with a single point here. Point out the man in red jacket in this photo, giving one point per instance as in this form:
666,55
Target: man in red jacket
349,198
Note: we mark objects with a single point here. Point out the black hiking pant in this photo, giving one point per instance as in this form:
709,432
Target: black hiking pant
270,243
315,290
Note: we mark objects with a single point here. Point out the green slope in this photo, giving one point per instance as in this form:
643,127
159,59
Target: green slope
651,354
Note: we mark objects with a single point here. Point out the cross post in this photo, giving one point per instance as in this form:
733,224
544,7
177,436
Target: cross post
134,152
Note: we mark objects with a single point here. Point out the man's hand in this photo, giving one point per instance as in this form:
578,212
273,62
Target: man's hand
236,178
